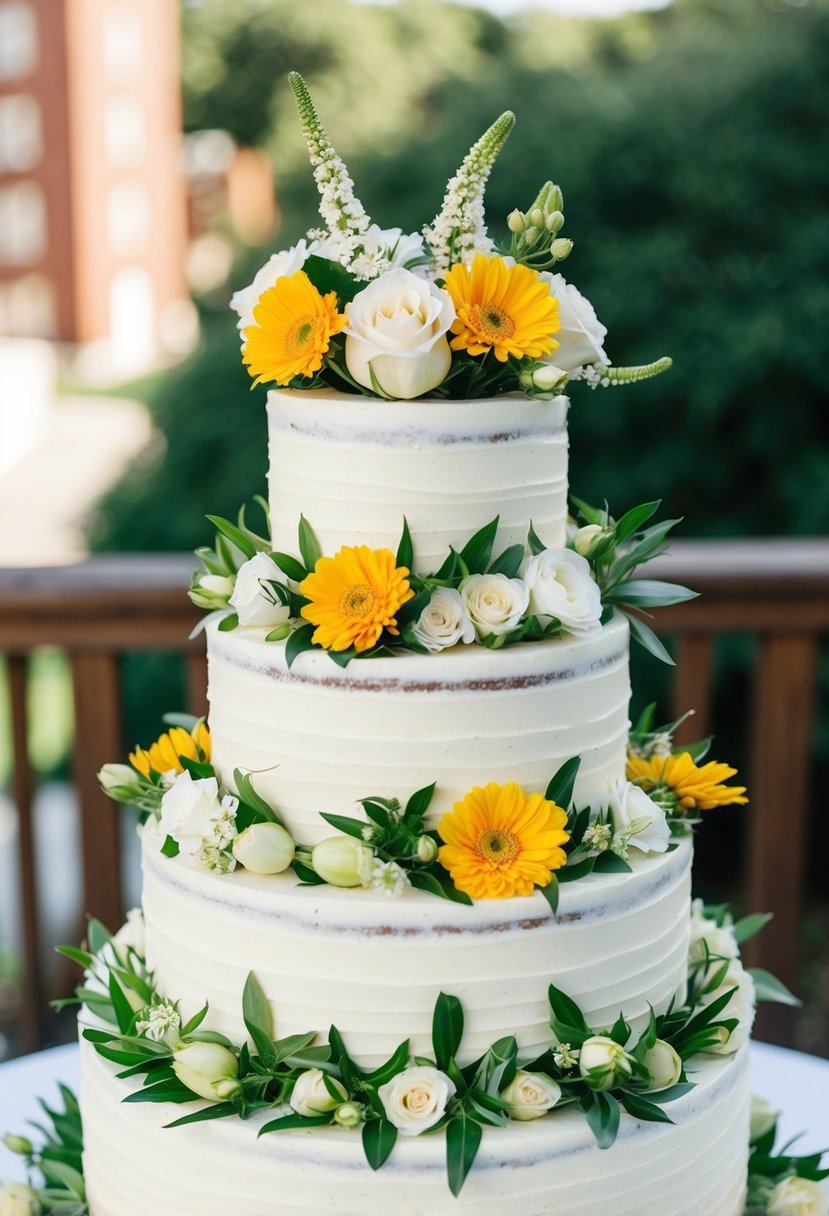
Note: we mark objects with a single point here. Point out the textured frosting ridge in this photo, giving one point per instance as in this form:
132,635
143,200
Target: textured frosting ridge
354,467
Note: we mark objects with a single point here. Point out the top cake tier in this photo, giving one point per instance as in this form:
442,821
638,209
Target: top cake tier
355,466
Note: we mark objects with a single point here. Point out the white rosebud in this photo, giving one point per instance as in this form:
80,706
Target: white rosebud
798,1197
252,601
495,604
208,1069
115,776
636,818
664,1065
586,537
187,809
561,248
444,622
131,934
530,1095
516,221
286,262
264,848
18,1200
416,1098
581,334
342,861
542,380
561,585
217,584
709,937
349,1114
396,330
741,1006
763,1118
311,1097
603,1062
427,849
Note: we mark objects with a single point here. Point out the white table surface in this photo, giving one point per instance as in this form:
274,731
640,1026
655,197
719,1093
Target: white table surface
796,1084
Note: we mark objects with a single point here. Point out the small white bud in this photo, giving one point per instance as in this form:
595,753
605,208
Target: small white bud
427,849
310,1095
218,584
561,248
18,1144
114,776
586,537
555,200
664,1065
554,221
603,1062
342,861
349,1114
516,221
264,848
537,217
208,1069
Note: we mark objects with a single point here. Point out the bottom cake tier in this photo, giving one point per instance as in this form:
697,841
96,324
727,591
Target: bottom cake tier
551,1167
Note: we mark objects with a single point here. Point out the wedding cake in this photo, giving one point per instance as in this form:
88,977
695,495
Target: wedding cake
417,931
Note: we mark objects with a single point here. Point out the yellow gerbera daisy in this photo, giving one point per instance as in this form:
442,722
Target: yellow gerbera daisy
165,754
505,309
690,786
354,596
293,326
502,842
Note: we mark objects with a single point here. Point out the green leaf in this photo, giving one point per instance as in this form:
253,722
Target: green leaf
82,957
602,1113
97,936
749,926
258,1017
551,893
463,1139
301,639
288,1122
331,276
610,863
235,535
442,886
290,566
67,1177
643,1108
591,515
646,637
566,1010
307,876
379,1138
405,550
419,802
248,795
308,545
649,593
535,543
123,1010
228,623
620,1031
477,551
770,988
509,562
632,520
560,789
395,1064
351,1074
447,1029
351,827
675,1091
220,1110
579,869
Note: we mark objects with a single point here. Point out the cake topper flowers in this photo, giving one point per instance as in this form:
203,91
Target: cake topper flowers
447,312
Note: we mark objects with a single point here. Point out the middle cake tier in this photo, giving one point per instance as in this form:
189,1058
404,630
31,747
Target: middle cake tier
319,737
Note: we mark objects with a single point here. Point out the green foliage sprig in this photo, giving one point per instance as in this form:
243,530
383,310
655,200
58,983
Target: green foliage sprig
57,1157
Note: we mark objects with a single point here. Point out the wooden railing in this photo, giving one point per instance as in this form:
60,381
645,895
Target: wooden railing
104,608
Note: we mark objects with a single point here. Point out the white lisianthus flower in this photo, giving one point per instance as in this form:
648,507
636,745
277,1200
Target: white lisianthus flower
763,1118
254,604
401,247
603,1062
208,1069
131,934
310,1096
416,1098
217,584
637,819
264,848
495,604
187,810
117,776
18,1200
561,585
581,334
397,330
706,933
278,265
798,1197
530,1095
741,1006
444,622
664,1065
343,861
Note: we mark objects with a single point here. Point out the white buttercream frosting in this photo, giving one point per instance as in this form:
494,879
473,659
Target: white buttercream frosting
354,467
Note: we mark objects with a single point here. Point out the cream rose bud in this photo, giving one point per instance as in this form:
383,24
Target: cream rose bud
187,809
217,584
208,1069
350,1114
797,1197
636,815
444,622
286,262
612,1063
664,1065
254,603
416,1098
116,776
581,334
342,861
311,1097
495,604
396,330
530,1095
586,537
763,1118
18,1200
427,849
264,848
741,1006
561,585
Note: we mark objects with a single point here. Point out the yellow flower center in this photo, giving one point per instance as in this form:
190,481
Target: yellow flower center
358,601
497,846
300,333
491,321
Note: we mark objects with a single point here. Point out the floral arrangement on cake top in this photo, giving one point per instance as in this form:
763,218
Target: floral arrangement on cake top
446,311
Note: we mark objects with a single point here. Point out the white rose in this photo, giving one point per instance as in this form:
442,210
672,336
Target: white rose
18,1200
444,621
495,604
187,809
664,1065
131,934
603,1062
561,585
278,265
264,848
798,1197
581,334
741,1006
397,330
416,1098
310,1097
530,1095
719,940
763,1118
636,815
253,604
208,1069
